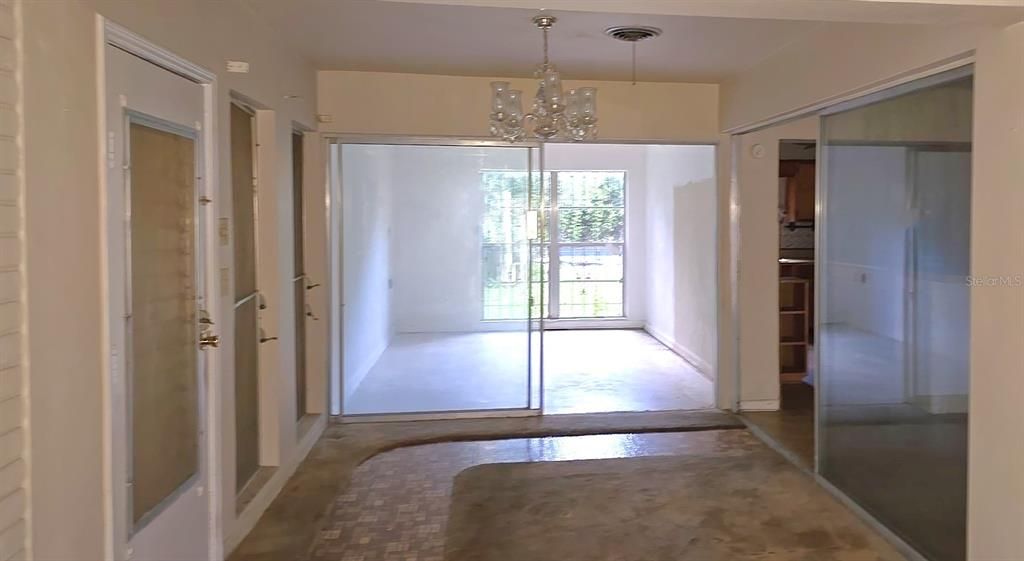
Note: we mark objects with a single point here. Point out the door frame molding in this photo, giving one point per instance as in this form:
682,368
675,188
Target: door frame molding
110,33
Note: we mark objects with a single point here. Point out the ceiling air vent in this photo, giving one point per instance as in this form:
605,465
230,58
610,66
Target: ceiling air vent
632,33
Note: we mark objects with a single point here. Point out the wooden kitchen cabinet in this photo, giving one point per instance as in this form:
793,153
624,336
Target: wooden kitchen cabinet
800,177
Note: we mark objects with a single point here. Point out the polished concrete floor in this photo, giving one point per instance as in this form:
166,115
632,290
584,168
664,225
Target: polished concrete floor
792,426
713,496
904,464
585,371
289,527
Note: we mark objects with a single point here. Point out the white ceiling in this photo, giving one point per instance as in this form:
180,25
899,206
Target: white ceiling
432,37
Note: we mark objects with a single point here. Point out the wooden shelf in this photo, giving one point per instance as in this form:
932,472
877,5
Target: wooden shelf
794,328
792,377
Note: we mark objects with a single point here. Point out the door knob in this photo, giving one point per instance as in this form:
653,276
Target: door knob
207,341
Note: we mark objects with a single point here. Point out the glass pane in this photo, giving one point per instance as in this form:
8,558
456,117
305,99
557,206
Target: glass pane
591,225
162,362
298,222
247,414
436,277
591,189
244,207
590,262
894,324
589,299
299,289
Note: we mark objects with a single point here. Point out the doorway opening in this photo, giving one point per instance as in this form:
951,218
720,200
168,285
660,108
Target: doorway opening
793,423
480,278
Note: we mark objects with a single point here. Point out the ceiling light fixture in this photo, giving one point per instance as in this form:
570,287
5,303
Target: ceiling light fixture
632,34
555,115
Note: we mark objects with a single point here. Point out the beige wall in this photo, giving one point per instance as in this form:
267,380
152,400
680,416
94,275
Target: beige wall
758,179
996,449
64,245
842,61
425,105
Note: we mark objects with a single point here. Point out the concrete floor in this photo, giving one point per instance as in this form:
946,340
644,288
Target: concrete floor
294,520
585,371
903,464
713,496
792,426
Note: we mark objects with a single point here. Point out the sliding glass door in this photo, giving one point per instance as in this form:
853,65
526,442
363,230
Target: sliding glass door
894,309
439,245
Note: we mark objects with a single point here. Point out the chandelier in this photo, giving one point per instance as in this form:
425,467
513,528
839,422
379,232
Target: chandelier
555,115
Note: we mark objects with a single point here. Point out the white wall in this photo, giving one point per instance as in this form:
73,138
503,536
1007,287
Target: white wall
681,275
367,227
995,497
438,210
866,250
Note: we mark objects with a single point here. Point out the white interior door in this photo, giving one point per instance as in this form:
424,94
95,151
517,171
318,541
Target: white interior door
158,324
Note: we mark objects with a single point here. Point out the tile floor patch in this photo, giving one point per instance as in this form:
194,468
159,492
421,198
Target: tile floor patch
396,508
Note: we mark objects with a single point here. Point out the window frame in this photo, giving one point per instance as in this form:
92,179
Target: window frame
552,243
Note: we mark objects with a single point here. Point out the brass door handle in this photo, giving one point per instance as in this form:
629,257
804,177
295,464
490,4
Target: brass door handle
207,341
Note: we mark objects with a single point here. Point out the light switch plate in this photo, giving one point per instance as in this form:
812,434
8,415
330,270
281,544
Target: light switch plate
238,66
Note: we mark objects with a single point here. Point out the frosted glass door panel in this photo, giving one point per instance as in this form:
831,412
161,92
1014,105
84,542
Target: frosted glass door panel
246,300
162,336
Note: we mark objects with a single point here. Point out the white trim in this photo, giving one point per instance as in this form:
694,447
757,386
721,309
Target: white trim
438,416
128,41
247,519
559,324
110,33
759,405
686,354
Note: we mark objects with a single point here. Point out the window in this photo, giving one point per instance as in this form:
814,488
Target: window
586,220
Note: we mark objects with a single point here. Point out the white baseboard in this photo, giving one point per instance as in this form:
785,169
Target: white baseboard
942,404
689,356
759,405
247,519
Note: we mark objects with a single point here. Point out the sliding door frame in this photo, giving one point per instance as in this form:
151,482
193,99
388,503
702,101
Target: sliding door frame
940,72
335,277
336,377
